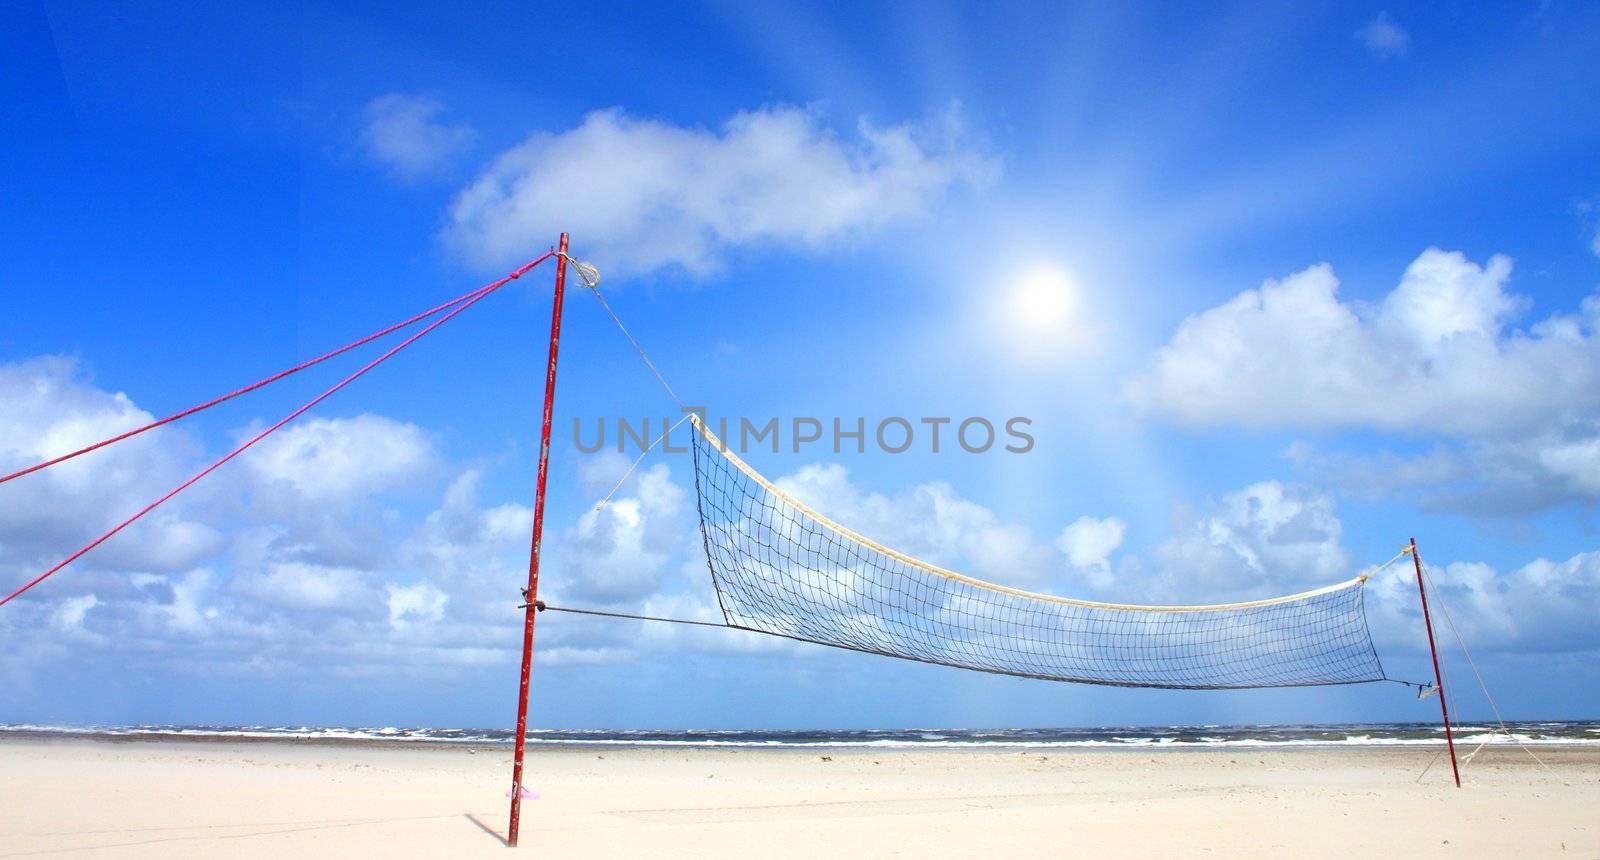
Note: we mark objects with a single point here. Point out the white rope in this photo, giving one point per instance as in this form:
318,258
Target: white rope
600,505
590,275
595,288
1374,571
1445,610
1431,762
1448,687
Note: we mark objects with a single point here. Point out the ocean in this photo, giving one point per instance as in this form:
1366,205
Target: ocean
1559,732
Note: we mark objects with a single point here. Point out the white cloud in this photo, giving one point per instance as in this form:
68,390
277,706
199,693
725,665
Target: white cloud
1088,543
418,602
641,553
1263,540
70,612
1495,477
1544,606
478,555
296,585
260,604
338,459
178,608
403,133
599,472
931,522
1444,298
1266,539
1433,357
1384,38
51,409
622,551
1271,538
645,194
235,575
701,605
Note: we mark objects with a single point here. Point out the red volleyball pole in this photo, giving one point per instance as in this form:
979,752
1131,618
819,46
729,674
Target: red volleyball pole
1438,678
531,594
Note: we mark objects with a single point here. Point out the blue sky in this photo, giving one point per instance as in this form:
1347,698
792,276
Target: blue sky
1326,279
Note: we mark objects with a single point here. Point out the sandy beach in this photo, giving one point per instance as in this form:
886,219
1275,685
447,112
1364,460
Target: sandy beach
170,798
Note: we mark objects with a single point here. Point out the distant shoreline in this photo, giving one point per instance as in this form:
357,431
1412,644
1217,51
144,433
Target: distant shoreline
1539,734
46,736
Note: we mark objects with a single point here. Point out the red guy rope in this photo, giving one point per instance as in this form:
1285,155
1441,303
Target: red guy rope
253,386
475,297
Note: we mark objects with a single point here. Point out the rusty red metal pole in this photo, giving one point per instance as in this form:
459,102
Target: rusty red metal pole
532,592
1438,677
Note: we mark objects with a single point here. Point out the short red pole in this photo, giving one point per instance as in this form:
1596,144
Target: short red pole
1438,677
532,593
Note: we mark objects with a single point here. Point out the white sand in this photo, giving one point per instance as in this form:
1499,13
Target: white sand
277,799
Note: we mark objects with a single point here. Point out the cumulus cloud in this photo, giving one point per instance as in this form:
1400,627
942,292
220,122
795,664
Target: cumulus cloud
931,522
1544,606
1483,478
310,491
647,194
324,460
1272,538
622,551
1088,543
419,602
261,603
1384,38
1433,355
319,588
640,553
69,613
279,562
1265,539
599,472
51,408
404,134
474,552
1437,356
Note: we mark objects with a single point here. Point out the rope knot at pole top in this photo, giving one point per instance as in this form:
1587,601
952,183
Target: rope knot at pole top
587,272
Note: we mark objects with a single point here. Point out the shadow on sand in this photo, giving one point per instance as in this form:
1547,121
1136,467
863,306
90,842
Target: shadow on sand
485,828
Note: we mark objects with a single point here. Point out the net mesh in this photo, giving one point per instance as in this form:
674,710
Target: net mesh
781,568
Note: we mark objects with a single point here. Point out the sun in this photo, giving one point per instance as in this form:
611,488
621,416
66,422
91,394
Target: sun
1043,314
1044,300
